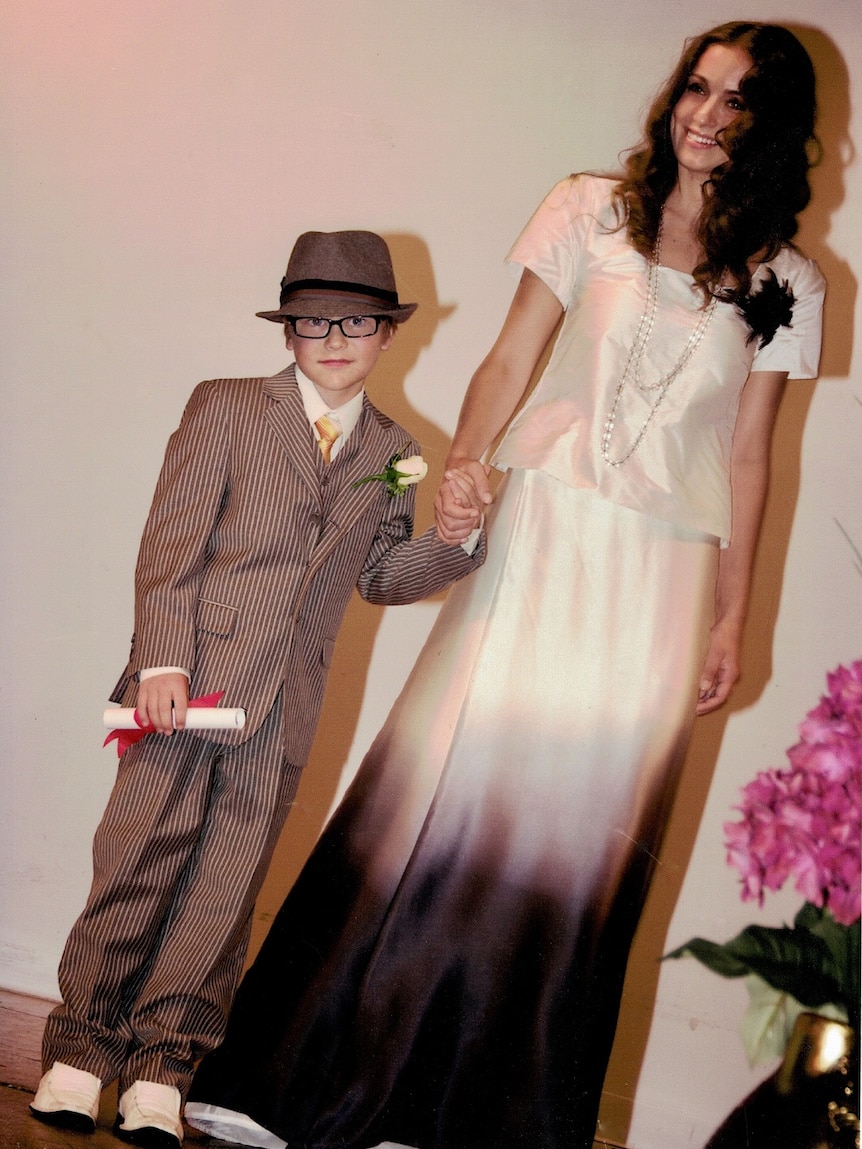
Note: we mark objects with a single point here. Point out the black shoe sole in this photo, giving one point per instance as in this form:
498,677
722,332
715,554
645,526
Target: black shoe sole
148,1137
65,1119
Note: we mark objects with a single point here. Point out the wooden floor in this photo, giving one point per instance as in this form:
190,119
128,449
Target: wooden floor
21,1021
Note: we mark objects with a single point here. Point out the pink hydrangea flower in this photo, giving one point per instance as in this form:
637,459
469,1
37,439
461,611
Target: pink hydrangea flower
805,822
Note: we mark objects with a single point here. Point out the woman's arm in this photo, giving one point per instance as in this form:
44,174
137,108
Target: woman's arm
502,379
749,479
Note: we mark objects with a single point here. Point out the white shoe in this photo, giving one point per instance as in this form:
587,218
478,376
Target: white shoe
68,1098
149,1115
228,1125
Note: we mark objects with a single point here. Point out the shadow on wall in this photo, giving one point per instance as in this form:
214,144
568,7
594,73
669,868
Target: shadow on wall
347,680
827,182
415,278
827,186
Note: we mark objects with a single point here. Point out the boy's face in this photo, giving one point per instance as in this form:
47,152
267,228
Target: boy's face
336,365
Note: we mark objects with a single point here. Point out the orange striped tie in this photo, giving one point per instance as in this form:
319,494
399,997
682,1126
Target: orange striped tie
328,431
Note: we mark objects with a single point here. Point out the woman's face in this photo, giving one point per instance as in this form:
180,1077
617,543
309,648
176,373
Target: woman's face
709,103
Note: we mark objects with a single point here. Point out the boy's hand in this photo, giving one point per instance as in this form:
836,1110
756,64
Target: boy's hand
457,508
162,702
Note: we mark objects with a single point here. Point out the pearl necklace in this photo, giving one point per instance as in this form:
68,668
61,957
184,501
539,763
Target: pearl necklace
632,369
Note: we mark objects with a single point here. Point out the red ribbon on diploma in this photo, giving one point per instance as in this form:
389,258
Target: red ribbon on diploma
127,738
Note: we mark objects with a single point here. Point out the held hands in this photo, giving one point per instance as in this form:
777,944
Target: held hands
163,701
721,668
461,500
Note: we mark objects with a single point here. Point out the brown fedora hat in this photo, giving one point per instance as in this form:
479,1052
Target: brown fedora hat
336,273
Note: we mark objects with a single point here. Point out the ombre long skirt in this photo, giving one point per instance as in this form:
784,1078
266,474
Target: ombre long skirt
446,972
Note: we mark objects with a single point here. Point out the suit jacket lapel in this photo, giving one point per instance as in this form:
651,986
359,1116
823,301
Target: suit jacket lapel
289,421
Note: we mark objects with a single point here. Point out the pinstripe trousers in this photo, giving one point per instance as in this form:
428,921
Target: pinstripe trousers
150,967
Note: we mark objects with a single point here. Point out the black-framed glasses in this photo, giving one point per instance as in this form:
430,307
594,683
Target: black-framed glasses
351,326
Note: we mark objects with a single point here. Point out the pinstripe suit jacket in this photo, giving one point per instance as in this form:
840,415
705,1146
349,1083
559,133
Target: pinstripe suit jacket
251,551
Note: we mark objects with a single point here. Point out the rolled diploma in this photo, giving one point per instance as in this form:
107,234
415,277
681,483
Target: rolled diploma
197,718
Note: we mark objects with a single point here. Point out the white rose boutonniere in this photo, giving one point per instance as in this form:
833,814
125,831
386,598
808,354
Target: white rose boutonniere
399,473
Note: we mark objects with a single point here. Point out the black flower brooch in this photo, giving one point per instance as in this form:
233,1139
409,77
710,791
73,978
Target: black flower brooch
767,309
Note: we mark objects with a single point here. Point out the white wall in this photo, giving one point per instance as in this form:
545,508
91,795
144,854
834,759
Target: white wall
160,157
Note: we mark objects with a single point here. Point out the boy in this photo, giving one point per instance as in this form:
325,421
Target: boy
258,533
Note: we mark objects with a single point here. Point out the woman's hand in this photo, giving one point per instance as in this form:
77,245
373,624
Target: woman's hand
720,669
458,505
468,479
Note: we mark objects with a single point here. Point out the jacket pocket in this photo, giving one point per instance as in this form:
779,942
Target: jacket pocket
216,617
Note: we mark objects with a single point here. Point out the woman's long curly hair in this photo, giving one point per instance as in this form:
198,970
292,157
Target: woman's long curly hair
752,200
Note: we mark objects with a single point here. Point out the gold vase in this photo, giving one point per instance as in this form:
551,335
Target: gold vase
821,1062
811,1102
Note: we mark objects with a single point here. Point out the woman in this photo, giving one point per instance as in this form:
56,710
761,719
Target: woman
447,971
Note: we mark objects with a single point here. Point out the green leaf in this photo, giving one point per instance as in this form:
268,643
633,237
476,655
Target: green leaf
809,917
770,1018
794,961
721,959
843,943
768,1021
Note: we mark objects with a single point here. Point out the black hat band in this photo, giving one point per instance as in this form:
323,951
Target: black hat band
288,289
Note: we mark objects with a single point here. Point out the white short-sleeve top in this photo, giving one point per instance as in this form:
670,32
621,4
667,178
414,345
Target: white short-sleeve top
681,469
